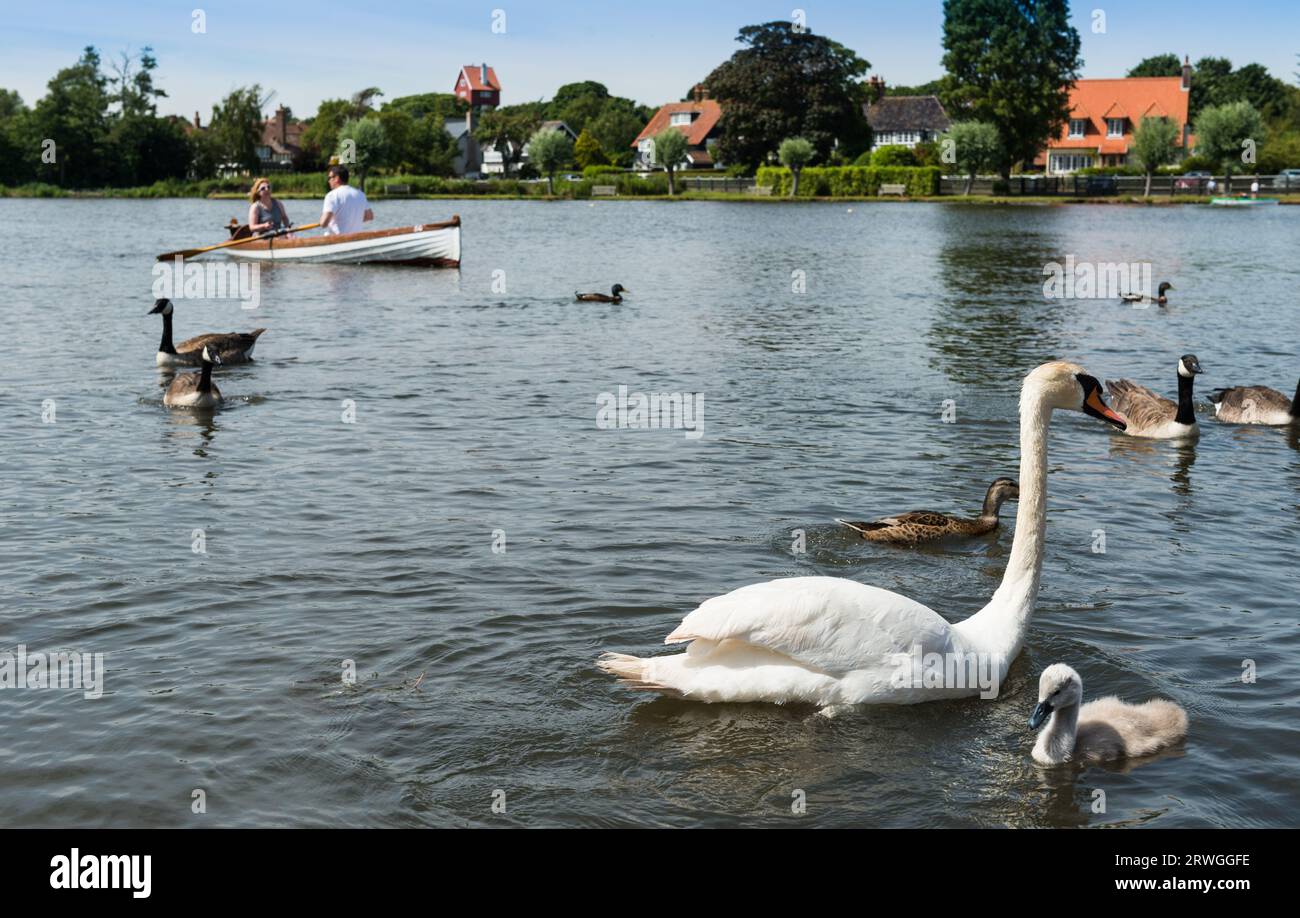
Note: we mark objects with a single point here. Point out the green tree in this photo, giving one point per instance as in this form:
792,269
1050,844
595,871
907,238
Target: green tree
893,155
615,130
236,128
132,82
1158,65
74,115
795,153
972,146
550,150
363,143
1154,146
787,82
1011,63
670,150
16,143
507,130
587,151
1224,133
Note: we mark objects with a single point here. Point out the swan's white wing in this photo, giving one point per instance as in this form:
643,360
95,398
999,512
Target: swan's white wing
829,624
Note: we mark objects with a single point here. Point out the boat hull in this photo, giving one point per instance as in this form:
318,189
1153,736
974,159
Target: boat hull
435,245
1242,202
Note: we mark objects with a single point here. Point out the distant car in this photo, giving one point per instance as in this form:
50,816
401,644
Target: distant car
1191,181
1287,178
572,177
1102,184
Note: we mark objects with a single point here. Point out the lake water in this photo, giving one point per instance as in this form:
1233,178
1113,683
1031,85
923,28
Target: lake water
475,414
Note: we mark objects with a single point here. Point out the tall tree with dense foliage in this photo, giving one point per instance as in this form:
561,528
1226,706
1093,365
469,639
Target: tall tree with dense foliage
787,82
1225,132
1158,65
507,130
1011,63
1154,145
973,147
670,150
73,114
795,153
236,128
587,151
550,150
364,146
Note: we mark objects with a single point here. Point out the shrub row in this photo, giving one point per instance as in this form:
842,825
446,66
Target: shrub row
851,181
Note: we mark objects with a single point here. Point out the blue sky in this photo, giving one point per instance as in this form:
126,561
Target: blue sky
652,52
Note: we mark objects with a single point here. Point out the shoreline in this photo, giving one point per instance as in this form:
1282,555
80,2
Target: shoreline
688,196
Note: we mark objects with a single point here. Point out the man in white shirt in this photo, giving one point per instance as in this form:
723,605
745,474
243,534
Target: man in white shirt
346,208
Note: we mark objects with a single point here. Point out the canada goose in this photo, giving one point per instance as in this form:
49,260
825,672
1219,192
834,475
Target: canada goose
831,641
234,347
1255,405
196,390
615,295
1159,299
1151,415
927,525
1099,730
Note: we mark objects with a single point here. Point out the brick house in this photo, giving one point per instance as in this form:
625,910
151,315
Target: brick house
697,119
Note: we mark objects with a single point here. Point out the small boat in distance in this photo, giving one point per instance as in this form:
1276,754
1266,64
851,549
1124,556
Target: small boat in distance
434,245
1242,201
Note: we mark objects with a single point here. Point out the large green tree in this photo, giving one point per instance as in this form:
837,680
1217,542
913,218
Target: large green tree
787,82
1158,65
1011,63
1154,145
74,115
550,150
364,146
236,128
1224,133
508,129
973,147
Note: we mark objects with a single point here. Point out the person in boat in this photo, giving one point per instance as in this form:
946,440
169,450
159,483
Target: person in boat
346,208
265,213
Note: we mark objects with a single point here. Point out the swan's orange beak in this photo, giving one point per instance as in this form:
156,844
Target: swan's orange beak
1093,405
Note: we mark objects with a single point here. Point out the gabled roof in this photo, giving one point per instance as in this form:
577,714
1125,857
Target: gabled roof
1132,98
707,113
907,113
558,126
474,75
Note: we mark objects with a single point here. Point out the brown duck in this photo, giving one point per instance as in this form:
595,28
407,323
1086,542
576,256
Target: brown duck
615,295
927,525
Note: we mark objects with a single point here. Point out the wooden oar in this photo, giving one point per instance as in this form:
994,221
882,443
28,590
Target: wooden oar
190,253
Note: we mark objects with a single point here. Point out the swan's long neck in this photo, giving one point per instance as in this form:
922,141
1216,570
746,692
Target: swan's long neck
1058,737
1000,626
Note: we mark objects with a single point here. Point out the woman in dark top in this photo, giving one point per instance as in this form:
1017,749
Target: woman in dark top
265,213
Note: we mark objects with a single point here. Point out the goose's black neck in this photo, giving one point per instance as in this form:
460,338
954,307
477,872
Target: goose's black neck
166,346
1186,412
1295,402
205,377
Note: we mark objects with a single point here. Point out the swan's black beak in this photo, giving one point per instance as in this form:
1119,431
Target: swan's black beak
1040,714
1095,405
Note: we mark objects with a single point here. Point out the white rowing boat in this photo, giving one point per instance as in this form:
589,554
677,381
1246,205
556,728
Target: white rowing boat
434,245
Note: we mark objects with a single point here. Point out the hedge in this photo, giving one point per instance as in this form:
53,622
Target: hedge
851,181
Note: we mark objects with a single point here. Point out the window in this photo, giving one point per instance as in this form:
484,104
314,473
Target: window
1114,127
681,118
1077,127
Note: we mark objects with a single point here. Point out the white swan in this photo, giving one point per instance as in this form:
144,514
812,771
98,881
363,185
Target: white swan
830,641
1099,730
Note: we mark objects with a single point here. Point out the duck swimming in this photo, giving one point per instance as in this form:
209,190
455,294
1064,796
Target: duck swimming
615,295
1151,415
234,347
1255,405
1159,299
196,390
1099,730
927,525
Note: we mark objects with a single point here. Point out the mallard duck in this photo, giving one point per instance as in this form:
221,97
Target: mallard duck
831,641
1159,299
1099,730
927,525
1255,405
196,390
615,295
1151,415
234,347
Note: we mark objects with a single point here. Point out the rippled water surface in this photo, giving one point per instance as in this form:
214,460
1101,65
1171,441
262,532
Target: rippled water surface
475,412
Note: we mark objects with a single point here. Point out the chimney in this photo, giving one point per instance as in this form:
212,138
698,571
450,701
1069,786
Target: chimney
1187,73
483,75
876,88
196,121
699,93
282,124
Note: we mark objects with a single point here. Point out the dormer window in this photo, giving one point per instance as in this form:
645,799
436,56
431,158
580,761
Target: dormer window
682,117
1114,127
1077,127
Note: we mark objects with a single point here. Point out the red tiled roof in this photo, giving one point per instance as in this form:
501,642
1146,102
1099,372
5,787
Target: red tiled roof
709,113
1131,98
474,73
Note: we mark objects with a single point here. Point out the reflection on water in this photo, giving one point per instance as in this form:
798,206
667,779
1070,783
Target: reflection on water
473,398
